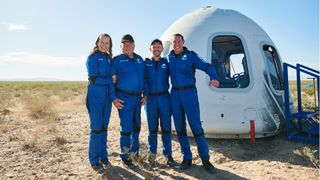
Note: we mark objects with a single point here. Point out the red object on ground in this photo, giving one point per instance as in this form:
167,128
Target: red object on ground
252,132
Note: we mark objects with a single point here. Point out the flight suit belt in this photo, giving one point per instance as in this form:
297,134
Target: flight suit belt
97,84
159,93
128,93
183,87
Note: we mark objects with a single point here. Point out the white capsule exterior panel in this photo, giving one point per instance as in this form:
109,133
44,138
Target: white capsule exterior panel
226,112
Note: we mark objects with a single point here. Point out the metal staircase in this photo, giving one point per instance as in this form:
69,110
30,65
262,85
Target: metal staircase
301,125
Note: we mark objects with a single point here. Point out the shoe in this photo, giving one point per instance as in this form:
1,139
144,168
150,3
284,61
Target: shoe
128,163
208,166
185,164
98,168
106,164
171,162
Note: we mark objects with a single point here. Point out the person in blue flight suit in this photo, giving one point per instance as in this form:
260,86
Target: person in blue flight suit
98,100
184,99
158,103
127,97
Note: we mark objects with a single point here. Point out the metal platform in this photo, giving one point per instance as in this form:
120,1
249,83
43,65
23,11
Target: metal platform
301,125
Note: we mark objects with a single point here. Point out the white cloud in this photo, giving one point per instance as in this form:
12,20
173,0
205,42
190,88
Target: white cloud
15,27
42,59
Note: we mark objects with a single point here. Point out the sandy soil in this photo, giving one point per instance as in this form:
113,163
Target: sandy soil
57,149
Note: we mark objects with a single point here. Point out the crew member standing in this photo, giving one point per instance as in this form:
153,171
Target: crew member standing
184,99
98,100
158,103
127,97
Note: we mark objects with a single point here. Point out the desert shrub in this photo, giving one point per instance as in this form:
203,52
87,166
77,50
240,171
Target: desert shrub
40,107
14,137
3,128
31,141
65,94
5,102
47,93
308,153
5,99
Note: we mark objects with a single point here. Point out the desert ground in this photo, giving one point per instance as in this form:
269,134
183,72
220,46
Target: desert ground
44,131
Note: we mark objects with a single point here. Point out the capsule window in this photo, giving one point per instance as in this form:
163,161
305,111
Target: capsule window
229,59
274,67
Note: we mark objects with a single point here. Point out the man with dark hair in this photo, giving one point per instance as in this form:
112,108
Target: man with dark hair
184,99
158,104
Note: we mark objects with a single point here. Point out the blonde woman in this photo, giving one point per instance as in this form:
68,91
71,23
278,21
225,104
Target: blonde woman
98,101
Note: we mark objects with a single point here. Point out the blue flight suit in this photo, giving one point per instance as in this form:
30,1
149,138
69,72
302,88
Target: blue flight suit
158,104
129,87
98,104
184,99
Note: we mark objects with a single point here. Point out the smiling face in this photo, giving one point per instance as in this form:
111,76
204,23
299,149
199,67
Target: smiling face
177,44
127,48
103,44
156,50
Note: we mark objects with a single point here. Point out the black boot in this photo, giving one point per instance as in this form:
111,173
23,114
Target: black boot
208,166
171,162
185,164
128,163
106,164
98,168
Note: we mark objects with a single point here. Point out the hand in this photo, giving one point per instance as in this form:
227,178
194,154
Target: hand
118,103
214,83
143,100
92,79
114,79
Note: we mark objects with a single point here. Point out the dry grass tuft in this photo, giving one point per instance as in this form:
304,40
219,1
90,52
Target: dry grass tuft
31,141
41,107
42,137
3,114
312,155
5,100
14,137
43,102
5,103
3,128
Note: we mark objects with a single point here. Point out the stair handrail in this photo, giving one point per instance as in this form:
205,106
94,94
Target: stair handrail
310,69
305,69
298,68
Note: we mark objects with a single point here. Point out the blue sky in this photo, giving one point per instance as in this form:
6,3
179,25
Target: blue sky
51,38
